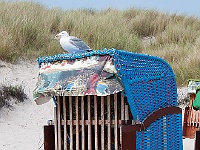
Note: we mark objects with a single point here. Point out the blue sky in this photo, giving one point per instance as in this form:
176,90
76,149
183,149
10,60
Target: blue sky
186,7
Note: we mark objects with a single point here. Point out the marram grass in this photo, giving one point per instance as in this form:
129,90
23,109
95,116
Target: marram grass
27,30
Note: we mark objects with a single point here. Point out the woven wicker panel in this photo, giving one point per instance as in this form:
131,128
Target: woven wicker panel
148,81
150,84
163,134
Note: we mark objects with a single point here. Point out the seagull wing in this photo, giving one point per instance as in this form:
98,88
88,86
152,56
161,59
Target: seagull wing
78,43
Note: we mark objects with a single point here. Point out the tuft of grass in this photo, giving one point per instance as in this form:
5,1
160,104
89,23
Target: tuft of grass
9,93
28,30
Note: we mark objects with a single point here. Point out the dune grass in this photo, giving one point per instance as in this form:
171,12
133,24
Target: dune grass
28,30
10,93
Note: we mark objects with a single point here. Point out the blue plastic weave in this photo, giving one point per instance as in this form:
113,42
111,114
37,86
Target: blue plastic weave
163,134
150,84
60,57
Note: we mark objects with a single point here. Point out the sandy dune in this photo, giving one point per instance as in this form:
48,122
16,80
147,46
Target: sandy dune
21,128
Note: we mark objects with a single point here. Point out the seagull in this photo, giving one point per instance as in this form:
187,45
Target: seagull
71,44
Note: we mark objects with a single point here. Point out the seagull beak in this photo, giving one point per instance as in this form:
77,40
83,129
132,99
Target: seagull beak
57,37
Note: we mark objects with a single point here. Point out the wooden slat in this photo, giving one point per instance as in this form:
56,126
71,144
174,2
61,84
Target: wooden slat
65,122
96,122
83,124
59,123
122,116
116,122
198,118
126,112
190,113
128,138
102,124
189,117
49,137
71,123
193,117
122,107
109,122
77,124
89,124
197,139
80,123
92,122
56,128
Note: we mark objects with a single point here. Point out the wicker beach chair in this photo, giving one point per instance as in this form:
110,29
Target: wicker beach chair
150,94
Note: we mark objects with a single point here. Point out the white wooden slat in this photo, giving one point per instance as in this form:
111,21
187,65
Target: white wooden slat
89,124
109,122
126,112
96,122
77,120
83,123
122,116
116,122
59,122
102,123
77,124
56,128
71,123
65,121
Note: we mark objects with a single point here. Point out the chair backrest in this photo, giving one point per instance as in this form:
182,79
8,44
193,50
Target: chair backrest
149,85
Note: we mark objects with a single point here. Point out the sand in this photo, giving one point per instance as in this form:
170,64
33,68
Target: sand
21,128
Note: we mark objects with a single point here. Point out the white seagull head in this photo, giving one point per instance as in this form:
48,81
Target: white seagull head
71,44
61,35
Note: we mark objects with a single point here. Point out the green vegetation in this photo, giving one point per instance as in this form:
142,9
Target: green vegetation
9,93
28,30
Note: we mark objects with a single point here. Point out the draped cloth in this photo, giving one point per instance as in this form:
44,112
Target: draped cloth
74,75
